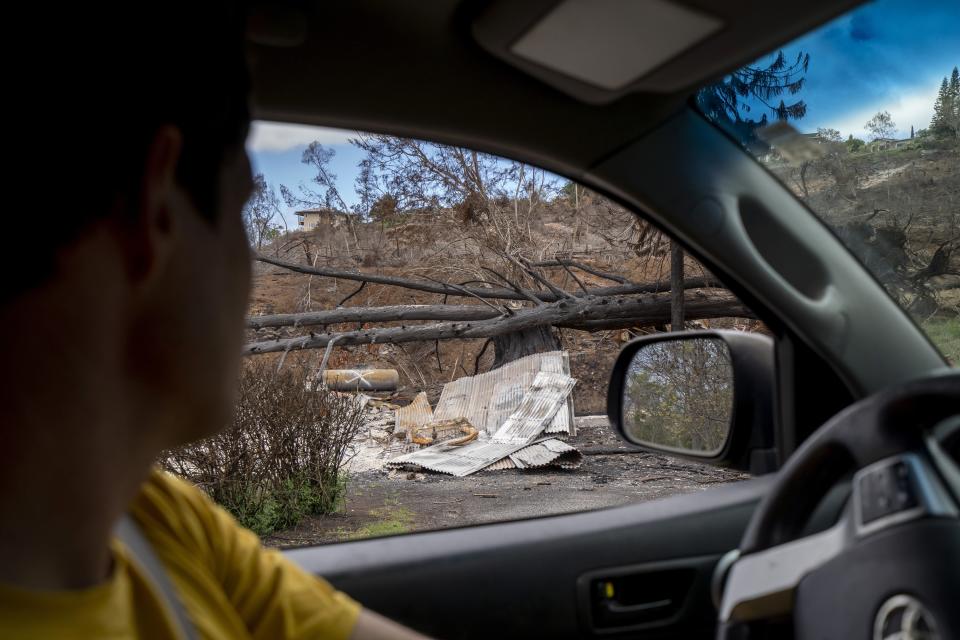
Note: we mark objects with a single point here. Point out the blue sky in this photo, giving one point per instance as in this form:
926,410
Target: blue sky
886,55
276,149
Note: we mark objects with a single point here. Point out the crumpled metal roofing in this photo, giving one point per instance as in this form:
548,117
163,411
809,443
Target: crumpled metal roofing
488,399
547,452
477,456
545,397
500,465
457,460
415,414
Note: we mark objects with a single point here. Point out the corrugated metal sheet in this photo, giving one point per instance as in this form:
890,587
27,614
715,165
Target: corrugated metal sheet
501,465
476,456
457,460
545,397
488,399
540,403
511,407
416,414
547,452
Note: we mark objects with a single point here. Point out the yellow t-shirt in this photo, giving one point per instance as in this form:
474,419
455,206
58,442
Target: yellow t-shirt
230,586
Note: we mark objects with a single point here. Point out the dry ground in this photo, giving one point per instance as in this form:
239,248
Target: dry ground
391,502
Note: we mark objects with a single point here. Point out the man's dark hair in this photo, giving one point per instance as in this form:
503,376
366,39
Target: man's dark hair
93,84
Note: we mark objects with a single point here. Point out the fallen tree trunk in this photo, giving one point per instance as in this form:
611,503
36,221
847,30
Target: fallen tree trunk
588,313
484,292
391,313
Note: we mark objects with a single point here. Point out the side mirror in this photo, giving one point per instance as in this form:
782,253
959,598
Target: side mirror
704,395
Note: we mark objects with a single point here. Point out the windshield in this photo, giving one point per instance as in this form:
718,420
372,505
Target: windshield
860,119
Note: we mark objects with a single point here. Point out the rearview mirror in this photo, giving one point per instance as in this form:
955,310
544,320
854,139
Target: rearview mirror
705,395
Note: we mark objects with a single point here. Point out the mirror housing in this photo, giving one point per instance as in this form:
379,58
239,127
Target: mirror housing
750,445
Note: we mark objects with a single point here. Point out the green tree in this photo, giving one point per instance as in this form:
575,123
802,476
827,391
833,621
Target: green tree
881,125
953,117
941,107
854,144
946,109
829,135
729,101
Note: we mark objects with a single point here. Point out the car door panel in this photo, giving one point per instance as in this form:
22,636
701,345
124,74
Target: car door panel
539,578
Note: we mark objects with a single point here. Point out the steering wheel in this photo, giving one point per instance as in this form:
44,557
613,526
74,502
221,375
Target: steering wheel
890,567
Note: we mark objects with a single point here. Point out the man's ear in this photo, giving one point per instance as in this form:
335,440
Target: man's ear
149,231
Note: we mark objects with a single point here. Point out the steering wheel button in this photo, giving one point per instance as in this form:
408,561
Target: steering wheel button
886,490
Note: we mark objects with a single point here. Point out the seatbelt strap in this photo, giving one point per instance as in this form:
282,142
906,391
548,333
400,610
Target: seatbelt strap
143,554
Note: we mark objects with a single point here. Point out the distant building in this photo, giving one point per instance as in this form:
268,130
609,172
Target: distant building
313,219
886,144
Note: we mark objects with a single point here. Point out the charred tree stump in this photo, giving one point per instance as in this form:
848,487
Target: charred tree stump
514,345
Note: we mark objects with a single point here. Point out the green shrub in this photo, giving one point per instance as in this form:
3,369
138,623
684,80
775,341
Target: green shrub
282,457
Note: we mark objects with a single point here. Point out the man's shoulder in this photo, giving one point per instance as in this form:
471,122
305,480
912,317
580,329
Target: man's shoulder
165,490
175,513
204,547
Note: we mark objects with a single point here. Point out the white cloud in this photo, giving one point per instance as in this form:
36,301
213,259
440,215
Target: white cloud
279,136
911,109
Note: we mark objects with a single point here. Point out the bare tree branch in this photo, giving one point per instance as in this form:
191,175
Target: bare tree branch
529,295
606,275
536,276
490,292
358,290
575,278
502,310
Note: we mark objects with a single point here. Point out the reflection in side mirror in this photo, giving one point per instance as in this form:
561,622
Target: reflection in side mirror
678,395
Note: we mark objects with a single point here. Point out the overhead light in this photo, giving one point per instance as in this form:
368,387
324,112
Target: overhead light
611,43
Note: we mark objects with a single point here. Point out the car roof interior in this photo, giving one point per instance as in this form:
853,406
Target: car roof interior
443,70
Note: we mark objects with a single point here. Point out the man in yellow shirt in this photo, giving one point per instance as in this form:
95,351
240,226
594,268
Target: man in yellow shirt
124,322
